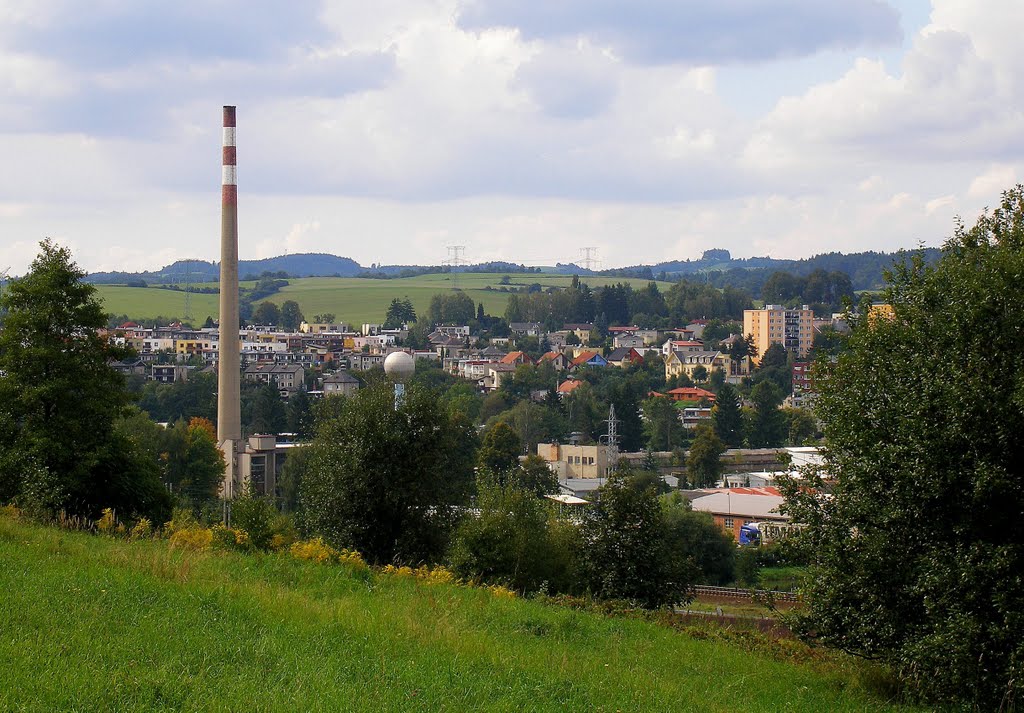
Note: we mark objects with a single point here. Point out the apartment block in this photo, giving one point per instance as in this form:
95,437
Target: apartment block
775,324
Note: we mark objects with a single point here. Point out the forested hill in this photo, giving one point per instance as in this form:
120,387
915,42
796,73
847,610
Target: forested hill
715,266
720,268
298,265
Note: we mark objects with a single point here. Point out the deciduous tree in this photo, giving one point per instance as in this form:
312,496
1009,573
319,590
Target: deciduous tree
384,481
291,315
59,399
916,549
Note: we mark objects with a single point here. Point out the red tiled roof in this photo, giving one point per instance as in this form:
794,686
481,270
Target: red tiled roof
583,358
567,386
513,357
691,393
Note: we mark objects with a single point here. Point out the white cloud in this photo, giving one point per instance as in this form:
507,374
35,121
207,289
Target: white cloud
988,185
694,31
385,131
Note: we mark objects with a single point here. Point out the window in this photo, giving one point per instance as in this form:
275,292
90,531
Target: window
728,523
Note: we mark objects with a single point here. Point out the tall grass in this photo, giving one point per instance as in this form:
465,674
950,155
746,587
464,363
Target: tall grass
94,623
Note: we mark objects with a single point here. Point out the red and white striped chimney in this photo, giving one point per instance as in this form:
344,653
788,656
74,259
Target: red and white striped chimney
229,189
229,417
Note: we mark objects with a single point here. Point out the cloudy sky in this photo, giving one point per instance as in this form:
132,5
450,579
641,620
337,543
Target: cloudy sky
525,130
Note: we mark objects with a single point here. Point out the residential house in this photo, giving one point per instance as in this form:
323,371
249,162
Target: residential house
323,327
556,340
516,358
624,356
691,394
568,386
696,328
588,358
288,377
340,383
558,360
168,373
627,340
688,362
496,374
529,329
129,367
681,345
582,330
363,361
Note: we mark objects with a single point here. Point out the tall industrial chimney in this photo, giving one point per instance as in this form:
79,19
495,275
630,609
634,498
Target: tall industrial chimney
229,417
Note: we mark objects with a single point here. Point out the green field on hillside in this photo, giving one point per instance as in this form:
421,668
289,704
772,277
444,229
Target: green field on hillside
352,299
92,623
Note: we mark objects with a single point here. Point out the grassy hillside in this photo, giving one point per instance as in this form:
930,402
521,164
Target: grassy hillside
352,299
90,623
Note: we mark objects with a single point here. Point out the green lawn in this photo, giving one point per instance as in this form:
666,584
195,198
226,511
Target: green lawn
354,300
90,623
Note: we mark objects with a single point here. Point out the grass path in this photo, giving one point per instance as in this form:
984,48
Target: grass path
89,623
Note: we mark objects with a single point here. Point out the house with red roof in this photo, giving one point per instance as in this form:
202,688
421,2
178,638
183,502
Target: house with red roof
624,356
588,358
692,394
516,358
557,359
568,386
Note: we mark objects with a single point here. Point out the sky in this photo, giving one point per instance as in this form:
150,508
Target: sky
522,130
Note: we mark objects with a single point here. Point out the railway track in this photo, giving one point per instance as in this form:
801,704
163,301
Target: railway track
740,593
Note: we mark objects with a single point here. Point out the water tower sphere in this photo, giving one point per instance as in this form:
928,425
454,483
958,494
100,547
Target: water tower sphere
399,365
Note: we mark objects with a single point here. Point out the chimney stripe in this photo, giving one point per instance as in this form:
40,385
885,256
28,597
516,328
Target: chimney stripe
229,156
230,176
229,136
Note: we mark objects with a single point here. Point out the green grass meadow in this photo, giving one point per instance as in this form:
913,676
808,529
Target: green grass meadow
94,623
352,299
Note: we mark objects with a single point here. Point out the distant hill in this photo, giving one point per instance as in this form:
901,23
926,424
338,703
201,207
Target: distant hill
297,265
716,266
720,268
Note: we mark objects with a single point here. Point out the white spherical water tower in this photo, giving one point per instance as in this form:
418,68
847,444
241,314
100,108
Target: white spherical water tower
399,366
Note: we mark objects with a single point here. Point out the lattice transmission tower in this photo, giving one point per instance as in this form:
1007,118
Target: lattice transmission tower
612,439
454,261
588,259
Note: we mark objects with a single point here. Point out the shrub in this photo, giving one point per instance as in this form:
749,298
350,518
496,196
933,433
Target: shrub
258,517
192,538
515,542
141,530
107,524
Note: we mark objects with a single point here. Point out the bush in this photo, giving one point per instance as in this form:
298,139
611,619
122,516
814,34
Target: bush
628,555
515,541
267,529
